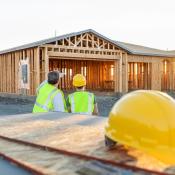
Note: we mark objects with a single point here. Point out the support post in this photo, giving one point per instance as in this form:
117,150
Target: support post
171,74
46,63
156,76
118,74
124,73
36,67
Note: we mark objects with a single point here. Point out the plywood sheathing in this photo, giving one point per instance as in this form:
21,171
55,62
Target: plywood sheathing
9,72
77,133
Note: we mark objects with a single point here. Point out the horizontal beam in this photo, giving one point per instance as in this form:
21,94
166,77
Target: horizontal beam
57,47
130,60
76,58
82,55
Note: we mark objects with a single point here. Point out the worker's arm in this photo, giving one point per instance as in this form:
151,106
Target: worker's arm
59,103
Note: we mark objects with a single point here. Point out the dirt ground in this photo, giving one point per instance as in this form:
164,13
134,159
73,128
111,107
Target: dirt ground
10,106
18,105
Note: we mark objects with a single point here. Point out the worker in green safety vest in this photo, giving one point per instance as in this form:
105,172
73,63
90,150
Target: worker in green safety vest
49,97
81,101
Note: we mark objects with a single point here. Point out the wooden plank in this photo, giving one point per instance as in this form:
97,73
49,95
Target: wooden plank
145,79
10,73
138,75
116,87
1,70
80,55
120,74
13,61
173,72
81,135
36,68
156,77
124,73
2,58
7,75
32,92
0,73
16,71
46,62
2,64
28,57
132,73
6,72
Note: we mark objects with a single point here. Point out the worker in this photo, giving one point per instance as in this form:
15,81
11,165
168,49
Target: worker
49,97
81,101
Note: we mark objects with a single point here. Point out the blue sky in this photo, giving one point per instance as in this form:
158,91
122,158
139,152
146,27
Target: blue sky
145,22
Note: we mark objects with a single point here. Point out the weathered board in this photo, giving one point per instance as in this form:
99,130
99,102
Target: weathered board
9,71
76,133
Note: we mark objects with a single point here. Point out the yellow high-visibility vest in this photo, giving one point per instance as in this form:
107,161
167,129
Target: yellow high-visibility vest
81,102
45,97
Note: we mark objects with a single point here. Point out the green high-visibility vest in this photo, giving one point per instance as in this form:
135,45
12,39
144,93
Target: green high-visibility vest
81,102
45,97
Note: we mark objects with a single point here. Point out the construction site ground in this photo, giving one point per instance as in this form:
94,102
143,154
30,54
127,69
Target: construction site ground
13,104
76,133
17,104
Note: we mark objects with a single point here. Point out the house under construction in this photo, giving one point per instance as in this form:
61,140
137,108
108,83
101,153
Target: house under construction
108,65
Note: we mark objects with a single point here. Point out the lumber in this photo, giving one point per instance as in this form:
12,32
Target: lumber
71,132
90,52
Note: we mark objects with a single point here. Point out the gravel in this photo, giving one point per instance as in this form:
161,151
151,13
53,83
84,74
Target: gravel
20,105
105,104
17,105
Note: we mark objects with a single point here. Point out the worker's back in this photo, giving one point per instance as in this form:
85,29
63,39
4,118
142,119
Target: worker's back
43,101
81,102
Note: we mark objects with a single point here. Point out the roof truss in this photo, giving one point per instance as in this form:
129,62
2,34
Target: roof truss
86,40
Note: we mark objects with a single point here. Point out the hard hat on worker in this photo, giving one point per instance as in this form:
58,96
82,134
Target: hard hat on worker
144,120
79,80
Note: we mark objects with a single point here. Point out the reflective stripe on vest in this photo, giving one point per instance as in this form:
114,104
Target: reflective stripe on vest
72,103
47,101
42,106
90,104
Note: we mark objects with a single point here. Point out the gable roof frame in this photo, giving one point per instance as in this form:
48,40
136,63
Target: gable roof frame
54,39
127,47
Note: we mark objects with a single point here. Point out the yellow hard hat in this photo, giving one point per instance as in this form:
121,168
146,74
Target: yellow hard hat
79,80
145,120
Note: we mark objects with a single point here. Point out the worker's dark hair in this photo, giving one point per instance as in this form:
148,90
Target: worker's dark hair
53,77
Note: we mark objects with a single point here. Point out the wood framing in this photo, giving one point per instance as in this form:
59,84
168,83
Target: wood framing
9,76
157,74
108,65
88,54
